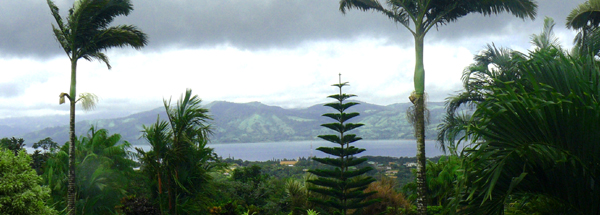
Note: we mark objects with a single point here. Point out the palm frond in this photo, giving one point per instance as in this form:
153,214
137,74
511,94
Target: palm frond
546,39
62,39
88,101
452,131
520,8
87,32
120,36
585,15
98,56
363,5
110,10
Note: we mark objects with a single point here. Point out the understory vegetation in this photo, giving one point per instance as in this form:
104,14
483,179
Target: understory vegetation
521,138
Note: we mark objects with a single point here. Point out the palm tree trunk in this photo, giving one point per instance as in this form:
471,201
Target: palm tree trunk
159,184
170,191
419,102
71,184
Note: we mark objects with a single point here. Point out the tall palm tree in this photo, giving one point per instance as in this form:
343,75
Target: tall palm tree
86,34
424,15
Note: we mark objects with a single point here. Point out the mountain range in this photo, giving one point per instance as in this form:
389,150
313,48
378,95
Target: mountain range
237,123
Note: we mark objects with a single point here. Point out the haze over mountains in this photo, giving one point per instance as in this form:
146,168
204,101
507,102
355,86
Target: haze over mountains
235,123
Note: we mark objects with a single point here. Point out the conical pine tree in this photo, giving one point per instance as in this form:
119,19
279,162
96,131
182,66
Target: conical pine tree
343,188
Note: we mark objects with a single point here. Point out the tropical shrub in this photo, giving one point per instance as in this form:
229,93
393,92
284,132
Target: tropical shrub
536,136
442,179
40,157
104,170
13,144
20,190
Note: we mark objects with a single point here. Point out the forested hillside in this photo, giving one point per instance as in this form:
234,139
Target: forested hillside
257,122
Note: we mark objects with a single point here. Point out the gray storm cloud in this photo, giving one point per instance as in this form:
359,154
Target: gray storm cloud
251,24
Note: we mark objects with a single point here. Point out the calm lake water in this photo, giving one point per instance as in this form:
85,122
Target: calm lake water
295,149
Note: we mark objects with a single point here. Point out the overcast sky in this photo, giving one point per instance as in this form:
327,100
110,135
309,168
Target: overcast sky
278,52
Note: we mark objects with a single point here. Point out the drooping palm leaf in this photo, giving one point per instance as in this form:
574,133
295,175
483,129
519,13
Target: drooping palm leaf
586,14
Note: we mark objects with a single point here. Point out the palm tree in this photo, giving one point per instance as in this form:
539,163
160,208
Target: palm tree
492,67
424,15
86,34
491,64
546,39
586,19
179,161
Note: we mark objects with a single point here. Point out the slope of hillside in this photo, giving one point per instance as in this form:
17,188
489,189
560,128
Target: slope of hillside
256,122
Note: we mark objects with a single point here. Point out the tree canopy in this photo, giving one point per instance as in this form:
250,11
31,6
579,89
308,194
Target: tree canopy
20,190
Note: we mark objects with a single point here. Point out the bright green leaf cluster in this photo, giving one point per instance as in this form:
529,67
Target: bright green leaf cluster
20,192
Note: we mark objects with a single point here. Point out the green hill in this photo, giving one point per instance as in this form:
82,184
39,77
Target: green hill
256,122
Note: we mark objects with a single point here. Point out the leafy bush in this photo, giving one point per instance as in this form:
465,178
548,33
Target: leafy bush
20,192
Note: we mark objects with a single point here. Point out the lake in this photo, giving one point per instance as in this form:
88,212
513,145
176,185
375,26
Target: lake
295,149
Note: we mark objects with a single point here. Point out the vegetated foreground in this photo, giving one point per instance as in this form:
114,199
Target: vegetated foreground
531,148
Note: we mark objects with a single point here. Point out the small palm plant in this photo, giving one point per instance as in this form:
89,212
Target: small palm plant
180,160
341,186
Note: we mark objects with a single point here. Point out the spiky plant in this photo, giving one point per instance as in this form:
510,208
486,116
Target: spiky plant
342,187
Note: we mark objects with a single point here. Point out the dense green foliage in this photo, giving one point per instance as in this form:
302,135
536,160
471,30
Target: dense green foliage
13,144
342,187
41,156
442,177
536,132
20,190
104,172
532,141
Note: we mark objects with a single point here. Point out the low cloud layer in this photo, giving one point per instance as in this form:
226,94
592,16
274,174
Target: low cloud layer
250,24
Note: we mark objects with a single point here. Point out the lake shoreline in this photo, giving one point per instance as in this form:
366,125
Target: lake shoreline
264,151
